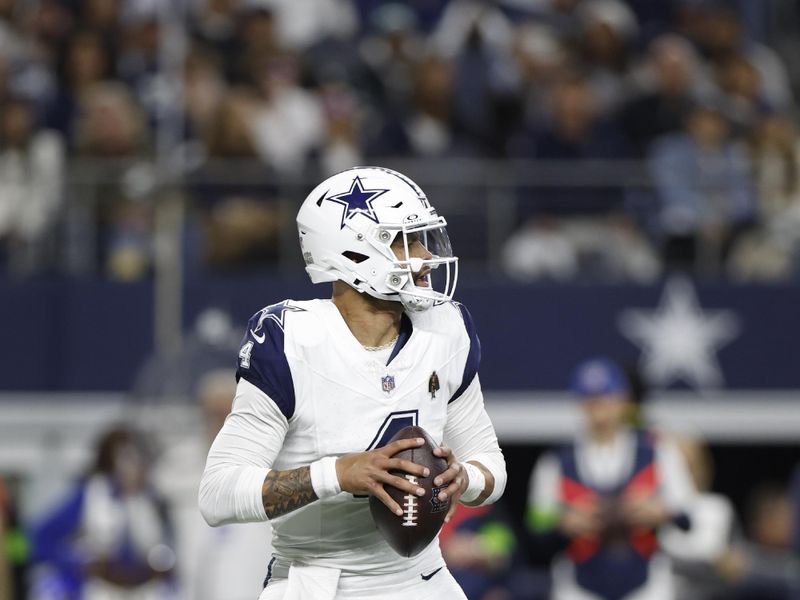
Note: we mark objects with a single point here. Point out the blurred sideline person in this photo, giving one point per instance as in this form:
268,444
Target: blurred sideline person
763,565
226,563
602,497
110,539
481,548
702,555
324,384
6,582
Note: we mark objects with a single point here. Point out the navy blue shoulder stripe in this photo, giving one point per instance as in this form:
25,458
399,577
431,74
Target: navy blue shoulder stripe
474,355
262,360
406,329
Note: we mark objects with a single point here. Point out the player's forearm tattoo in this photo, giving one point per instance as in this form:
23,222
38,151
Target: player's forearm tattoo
285,491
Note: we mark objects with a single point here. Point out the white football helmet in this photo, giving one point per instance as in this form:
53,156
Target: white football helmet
348,224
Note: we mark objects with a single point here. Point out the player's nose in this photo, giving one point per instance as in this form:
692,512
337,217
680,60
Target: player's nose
419,250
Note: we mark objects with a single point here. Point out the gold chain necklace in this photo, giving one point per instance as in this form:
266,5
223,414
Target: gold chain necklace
383,347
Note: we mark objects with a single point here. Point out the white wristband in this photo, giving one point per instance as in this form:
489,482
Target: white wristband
476,481
323,477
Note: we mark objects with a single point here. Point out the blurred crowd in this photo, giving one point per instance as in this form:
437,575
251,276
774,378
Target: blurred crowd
687,91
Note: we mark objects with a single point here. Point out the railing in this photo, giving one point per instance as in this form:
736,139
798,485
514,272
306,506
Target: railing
484,202
483,193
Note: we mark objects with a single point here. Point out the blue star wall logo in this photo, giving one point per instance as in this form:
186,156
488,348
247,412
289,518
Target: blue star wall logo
276,312
357,201
679,340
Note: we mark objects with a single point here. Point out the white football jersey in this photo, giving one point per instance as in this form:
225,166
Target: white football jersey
339,398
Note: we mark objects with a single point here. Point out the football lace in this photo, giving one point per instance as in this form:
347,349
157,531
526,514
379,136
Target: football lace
410,506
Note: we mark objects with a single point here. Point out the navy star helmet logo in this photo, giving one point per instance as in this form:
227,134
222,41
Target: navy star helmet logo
277,313
357,201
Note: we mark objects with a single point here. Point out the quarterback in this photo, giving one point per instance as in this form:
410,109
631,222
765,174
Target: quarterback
324,384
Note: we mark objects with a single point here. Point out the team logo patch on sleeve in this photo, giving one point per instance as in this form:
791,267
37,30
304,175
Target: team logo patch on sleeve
276,313
387,383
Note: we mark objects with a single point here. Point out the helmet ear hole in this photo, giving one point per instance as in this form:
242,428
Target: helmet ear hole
356,257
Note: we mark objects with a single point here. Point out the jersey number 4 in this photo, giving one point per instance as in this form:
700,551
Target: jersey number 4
393,423
244,355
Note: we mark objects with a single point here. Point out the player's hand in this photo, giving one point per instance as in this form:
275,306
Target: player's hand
453,479
648,512
580,522
368,472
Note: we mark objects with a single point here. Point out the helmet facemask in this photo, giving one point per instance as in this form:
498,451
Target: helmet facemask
424,271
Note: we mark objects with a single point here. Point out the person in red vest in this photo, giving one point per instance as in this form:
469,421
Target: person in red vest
602,497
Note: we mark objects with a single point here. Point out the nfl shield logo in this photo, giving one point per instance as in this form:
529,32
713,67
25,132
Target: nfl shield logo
387,383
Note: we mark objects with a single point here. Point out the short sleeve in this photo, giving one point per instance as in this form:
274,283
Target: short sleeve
473,355
262,358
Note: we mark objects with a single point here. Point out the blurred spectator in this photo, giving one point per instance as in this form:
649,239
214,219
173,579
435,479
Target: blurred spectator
540,249
539,56
230,135
303,23
770,252
477,37
604,496
699,553
705,192
110,123
481,550
240,223
216,23
559,14
391,50
31,180
204,92
670,82
464,21
574,132
227,563
608,29
110,539
242,231
486,95
428,126
717,30
607,248
426,130
138,65
48,24
341,146
112,126
256,40
764,567
612,249
287,120
87,60
100,15
742,100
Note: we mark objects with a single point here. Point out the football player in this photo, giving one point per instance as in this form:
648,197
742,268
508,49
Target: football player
324,384
603,497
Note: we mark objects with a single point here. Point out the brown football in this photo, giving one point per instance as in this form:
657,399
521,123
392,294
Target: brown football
423,516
